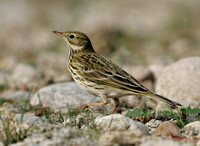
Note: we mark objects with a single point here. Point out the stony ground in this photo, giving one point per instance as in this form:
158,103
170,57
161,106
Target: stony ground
44,116
157,43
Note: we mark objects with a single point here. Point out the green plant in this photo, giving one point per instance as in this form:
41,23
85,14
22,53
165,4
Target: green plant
141,115
181,116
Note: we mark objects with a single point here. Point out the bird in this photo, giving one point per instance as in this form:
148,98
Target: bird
100,76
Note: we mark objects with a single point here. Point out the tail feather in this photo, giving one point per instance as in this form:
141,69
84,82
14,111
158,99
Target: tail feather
173,104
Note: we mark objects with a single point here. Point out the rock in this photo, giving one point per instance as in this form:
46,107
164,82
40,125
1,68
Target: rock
119,122
153,124
29,118
162,141
32,119
60,96
15,95
180,82
20,126
24,76
192,129
120,138
167,128
62,136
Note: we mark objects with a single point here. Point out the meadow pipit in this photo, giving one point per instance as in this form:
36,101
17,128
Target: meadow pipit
99,75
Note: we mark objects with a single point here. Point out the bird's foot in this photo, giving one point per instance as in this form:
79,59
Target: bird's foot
84,107
87,106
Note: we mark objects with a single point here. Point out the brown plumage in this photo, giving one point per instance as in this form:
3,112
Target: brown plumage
99,75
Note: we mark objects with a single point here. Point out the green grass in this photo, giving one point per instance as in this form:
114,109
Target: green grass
182,116
141,115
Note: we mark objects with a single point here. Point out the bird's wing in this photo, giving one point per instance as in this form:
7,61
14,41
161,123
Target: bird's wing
104,72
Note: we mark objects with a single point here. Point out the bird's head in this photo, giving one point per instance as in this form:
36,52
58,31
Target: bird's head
76,41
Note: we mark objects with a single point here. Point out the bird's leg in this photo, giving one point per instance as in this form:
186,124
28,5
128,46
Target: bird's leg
83,107
116,105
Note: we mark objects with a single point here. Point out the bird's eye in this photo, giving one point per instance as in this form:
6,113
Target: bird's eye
72,36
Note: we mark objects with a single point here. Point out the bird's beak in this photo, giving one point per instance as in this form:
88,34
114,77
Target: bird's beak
59,33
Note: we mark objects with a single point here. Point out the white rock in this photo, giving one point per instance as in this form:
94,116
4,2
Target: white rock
192,129
119,122
15,95
60,96
180,82
153,123
29,118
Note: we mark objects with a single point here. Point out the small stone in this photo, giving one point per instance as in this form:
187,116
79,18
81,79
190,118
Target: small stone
167,128
154,123
192,129
119,122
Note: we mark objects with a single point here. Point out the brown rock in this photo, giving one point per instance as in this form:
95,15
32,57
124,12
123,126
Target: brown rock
167,128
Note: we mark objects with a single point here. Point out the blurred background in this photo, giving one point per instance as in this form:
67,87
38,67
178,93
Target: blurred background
128,32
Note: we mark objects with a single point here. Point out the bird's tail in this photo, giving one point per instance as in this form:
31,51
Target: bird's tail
173,104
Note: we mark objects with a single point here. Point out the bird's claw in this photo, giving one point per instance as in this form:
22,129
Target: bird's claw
83,107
